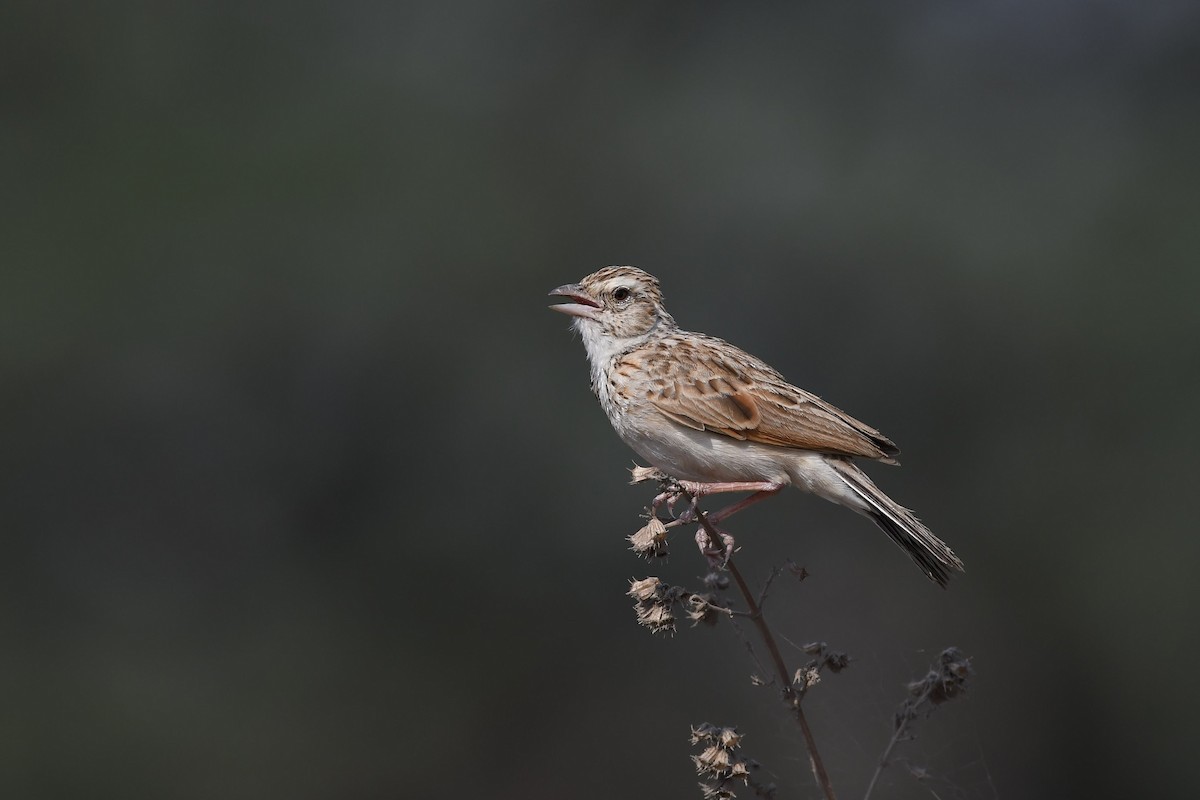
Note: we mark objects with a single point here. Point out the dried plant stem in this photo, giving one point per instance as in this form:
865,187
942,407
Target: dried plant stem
946,679
902,724
883,759
790,695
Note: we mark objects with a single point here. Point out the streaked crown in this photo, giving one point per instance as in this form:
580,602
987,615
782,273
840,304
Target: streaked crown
632,278
631,302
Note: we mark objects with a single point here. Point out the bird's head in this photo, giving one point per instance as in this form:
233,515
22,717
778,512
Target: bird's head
615,303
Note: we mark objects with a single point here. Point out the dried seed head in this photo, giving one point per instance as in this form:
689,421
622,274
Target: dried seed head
920,773
704,733
700,609
837,661
955,662
946,680
807,677
722,762
715,791
646,589
651,540
798,572
716,581
656,616
729,737
715,761
643,474
832,659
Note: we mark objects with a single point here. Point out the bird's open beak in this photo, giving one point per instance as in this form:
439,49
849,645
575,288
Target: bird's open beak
584,306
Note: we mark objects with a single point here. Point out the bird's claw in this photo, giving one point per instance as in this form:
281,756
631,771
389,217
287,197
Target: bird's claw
718,557
669,495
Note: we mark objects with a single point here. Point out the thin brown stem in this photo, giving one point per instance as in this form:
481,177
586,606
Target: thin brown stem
946,679
762,596
790,696
883,759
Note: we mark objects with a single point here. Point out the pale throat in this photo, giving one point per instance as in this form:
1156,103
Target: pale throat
601,349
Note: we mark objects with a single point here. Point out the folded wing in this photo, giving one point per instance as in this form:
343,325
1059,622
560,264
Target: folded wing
729,392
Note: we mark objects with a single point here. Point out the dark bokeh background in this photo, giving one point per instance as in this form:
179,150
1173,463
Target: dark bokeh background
304,492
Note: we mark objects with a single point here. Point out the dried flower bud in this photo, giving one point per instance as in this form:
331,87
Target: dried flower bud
657,617
947,689
807,677
723,763
729,737
643,474
947,680
715,760
834,660
837,661
646,589
700,609
651,540
799,573
712,791
920,773
716,581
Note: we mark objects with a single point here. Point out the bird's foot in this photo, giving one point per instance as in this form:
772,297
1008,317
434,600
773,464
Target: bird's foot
673,490
718,555
669,496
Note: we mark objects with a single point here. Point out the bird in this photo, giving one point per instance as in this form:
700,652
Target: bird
718,419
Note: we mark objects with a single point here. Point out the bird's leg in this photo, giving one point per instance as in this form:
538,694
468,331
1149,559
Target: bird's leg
730,510
697,489
762,490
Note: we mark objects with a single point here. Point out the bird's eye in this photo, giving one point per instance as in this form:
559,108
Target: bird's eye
621,294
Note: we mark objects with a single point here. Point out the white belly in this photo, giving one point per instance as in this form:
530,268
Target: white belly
705,457
693,455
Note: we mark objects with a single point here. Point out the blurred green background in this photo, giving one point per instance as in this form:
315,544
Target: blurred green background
305,494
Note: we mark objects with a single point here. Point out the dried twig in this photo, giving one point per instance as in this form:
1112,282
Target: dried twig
946,679
655,602
791,697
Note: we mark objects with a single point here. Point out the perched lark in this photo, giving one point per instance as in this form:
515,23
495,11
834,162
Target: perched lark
718,419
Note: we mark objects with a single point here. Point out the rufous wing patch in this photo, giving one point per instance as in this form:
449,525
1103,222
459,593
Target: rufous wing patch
767,416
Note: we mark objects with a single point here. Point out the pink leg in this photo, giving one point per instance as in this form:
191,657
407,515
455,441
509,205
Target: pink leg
762,490
699,490
729,511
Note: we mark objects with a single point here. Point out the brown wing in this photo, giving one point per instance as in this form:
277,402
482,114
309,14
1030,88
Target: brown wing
711,385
